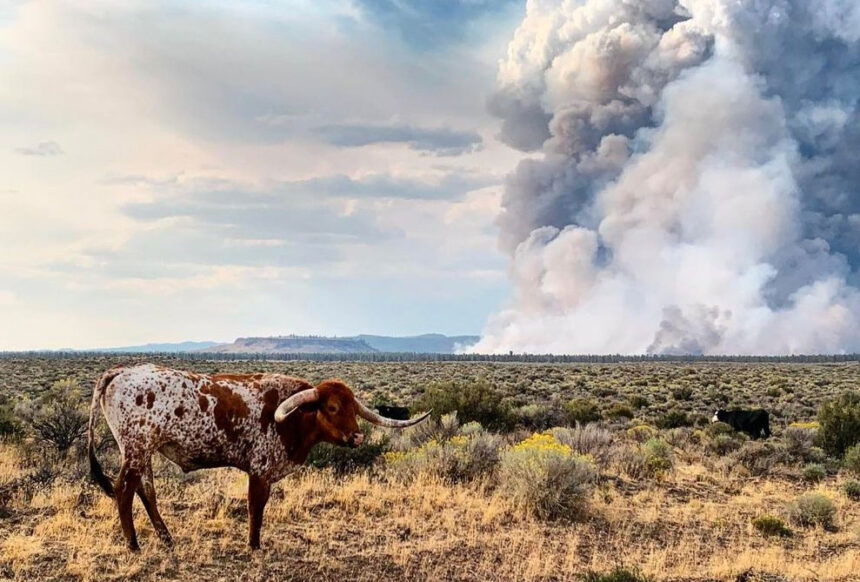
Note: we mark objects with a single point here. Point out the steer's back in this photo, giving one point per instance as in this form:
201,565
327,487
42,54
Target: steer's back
196,420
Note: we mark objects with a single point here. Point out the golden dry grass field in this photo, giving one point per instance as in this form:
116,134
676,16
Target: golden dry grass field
658,498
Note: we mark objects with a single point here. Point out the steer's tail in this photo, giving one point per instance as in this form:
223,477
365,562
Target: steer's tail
96,472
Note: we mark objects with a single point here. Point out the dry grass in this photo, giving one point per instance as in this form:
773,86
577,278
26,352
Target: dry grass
691,525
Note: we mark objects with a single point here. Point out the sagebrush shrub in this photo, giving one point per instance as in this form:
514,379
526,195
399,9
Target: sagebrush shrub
582,411
589,439
547,478
814,472
472,401
723,444
658,456
770,525
716,429
629,460
618,410
58,417
851,461
9,425
459,458
538,416
812,509
674,419
439,429
852,490
757,457
840,423
638,401
641,432
799,443
682,393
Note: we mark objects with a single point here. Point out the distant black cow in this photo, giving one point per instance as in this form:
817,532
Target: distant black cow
755,423
395,412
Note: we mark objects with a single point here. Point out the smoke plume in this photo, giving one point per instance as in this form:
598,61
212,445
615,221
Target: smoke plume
695,183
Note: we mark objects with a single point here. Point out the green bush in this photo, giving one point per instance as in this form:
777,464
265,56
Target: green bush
638,401
840,423
537,416
674,419
345,459
812,509
770,525
682,393
9,425
851,461
619,574
472,401
852,490
547,478
582,411
618,410
814,472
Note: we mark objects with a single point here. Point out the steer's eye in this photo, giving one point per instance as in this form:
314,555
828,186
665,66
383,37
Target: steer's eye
331,408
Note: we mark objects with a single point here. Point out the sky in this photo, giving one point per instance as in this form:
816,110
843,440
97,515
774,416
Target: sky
176,170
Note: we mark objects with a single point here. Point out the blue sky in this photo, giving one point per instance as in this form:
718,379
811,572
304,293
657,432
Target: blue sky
204,170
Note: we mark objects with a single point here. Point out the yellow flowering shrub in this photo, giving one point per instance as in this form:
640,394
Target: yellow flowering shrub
546,477
812,425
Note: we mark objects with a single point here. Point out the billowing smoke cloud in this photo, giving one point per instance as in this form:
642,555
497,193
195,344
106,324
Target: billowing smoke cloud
696,189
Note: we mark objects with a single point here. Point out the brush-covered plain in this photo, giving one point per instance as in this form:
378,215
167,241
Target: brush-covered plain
600,472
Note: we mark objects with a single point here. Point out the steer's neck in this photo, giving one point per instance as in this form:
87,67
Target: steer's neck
298,434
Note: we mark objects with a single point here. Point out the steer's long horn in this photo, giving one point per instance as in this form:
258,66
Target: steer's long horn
290,404
374,417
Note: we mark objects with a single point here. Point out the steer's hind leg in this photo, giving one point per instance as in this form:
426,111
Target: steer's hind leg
126,485
146,491
258,495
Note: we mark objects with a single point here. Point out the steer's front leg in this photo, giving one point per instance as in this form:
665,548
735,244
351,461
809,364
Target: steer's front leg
258,495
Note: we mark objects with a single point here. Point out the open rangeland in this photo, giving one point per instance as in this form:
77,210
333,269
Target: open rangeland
631,478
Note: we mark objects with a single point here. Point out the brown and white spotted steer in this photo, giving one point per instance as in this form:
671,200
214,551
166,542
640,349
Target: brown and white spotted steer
262,424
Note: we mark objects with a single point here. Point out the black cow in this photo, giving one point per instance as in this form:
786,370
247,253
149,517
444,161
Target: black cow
395,412
755,423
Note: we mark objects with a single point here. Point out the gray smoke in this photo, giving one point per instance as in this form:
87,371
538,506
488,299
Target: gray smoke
696,186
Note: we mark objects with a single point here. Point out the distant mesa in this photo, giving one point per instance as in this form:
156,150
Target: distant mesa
302,344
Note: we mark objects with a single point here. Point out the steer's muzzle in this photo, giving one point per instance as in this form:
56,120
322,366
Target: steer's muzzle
355,439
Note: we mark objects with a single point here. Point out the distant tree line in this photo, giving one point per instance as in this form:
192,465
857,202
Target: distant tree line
425,357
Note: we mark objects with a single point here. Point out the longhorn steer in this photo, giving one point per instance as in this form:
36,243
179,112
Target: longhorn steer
262,424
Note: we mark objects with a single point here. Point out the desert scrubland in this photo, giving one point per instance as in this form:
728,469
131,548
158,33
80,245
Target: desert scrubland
606,473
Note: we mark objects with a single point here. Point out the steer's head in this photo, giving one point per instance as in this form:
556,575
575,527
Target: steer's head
719,415
336,411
